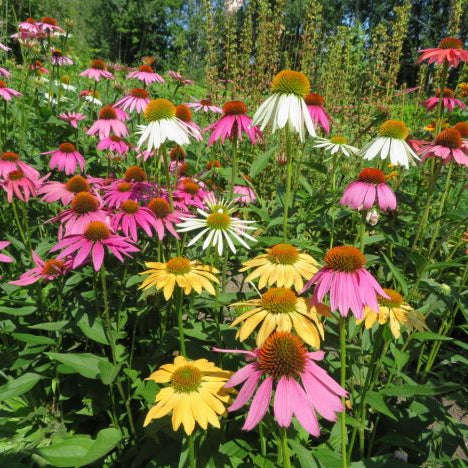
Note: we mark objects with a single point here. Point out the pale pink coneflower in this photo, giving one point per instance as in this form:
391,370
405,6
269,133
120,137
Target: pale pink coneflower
146,74
57,58
29,25
350,285
449,102
10,161
4,73
4,47
448,147
165,217
45,270
449,51
49,25
233,124
244,195
97,71
114,144
176,76
96,237
3,257
205,105
145,155
19,184
8,93
72,118
66,158
130,217
136,100
370,189
108,121
184,114
282,368
315,103
64,192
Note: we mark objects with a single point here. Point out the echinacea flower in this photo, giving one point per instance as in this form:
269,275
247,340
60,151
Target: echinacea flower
191,193
205,105
195,394
97,71
286,105
335,145
72,118
165,217
233,124
184,114
449,102
5,73
7,93
92,96
108,121
391,144
93,241
47,270
395,311
28,25
449,51
163,125
282,265
176,76
119,191
3,257
136,100
181,272
66,158
19,184
448,147
301,388
370,189
218,226
10,161
462,128
64,192
132,216
279,309
315,103
350,285
49,25
146,74
57,58
244,195
113,144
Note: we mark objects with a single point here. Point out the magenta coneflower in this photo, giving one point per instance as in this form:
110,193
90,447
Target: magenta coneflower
315,104
205,105
191,193
114,144
19,184
38,66
49,25
7,93
448,147
72,118
96,237
233,124
450,51
57,58
119,191
165,217
85,207
176,76
4,73
244,195
350,285
64,192
97,71
146,74
183,113
133,216
301,388
448,101
108,120
47,270
10,161
3,257
66,158
137,100
369,189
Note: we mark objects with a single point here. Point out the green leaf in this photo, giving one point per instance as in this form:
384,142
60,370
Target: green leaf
406,390
85,364
33,339
430,336
19,386
94,329
375,401
303,454
397,275
80,450
18,311
108,372
49,326
261,162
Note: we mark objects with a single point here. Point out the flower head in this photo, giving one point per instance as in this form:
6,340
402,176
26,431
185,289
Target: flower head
146,74
335,145
97,70
448,146
66,158
10,161
205,105
53,191
72,118
449,103
315,103
449,51
19,184
7,93
131,216
165,217
47,270
136,100
109,120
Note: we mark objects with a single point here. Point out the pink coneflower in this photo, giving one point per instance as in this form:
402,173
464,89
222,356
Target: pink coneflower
114,144
119,191
4,73
315,103
108,120
233,124
92,96
85,208
133,216
96,237
206,105
137,100
65,192
4,47
462,128
97,71
72,118
146,74
10,161
448,147
47,270
66,158
448,101
369,189
19,184
244,195
3,257
191,193
7,93
29,25
49,25
145,155
57,58
164,216
176,76
450,51
38,66
301,388
183,113
350,285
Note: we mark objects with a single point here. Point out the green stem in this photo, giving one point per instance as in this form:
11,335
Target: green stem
167,175
262,439
333,177
287,194
180,322
285,448
233,168
344,435
362,231
191,446
20,228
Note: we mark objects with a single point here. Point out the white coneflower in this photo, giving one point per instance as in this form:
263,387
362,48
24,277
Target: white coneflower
163,125
335,145
218,226
286,105
391,143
